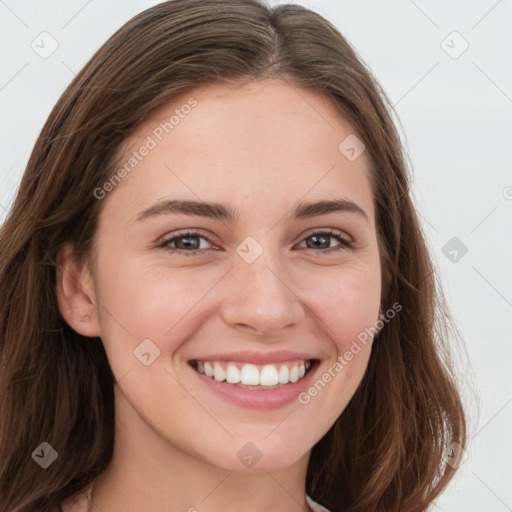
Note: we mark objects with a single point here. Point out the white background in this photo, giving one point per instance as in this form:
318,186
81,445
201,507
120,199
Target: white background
456,116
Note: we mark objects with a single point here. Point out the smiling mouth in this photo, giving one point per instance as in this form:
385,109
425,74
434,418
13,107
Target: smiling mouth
254,376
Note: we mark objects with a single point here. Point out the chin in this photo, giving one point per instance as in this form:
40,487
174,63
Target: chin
253,457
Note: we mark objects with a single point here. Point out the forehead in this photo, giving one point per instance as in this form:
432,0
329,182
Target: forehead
263,144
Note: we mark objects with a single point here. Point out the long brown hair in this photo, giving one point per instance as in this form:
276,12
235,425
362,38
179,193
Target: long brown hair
386,450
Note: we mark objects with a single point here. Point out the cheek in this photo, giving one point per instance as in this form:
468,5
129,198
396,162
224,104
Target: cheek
152,300
164,304
346,301
155,302
346,304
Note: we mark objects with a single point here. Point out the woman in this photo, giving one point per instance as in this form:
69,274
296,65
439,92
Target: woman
215,289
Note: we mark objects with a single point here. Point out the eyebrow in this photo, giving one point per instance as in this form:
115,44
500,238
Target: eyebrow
221,211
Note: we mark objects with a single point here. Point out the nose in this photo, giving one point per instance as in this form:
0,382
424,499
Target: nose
259,297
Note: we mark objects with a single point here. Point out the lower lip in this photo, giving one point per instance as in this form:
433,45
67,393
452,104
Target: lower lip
259,398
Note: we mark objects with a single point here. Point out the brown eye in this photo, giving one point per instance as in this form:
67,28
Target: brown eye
187,242
322,240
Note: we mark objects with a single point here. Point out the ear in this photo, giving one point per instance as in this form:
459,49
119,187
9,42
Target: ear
76,294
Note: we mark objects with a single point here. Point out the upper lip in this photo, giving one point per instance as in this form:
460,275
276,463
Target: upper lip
244,356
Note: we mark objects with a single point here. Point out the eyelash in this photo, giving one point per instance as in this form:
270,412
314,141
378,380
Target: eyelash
164,244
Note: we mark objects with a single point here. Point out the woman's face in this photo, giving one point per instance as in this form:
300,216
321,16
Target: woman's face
263,278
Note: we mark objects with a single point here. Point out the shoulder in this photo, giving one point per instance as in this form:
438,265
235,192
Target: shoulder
75,503
70,505
78,503
316,506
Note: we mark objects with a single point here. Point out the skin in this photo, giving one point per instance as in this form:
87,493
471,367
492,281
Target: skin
260,148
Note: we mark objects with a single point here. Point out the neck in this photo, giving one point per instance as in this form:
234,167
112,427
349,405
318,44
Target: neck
91,503
148,472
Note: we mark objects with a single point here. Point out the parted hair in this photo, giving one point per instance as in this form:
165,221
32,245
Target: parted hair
386,450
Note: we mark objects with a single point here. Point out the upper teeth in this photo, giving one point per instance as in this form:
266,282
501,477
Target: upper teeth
254,375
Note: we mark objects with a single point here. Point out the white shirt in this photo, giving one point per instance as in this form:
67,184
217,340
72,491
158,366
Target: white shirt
315,506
